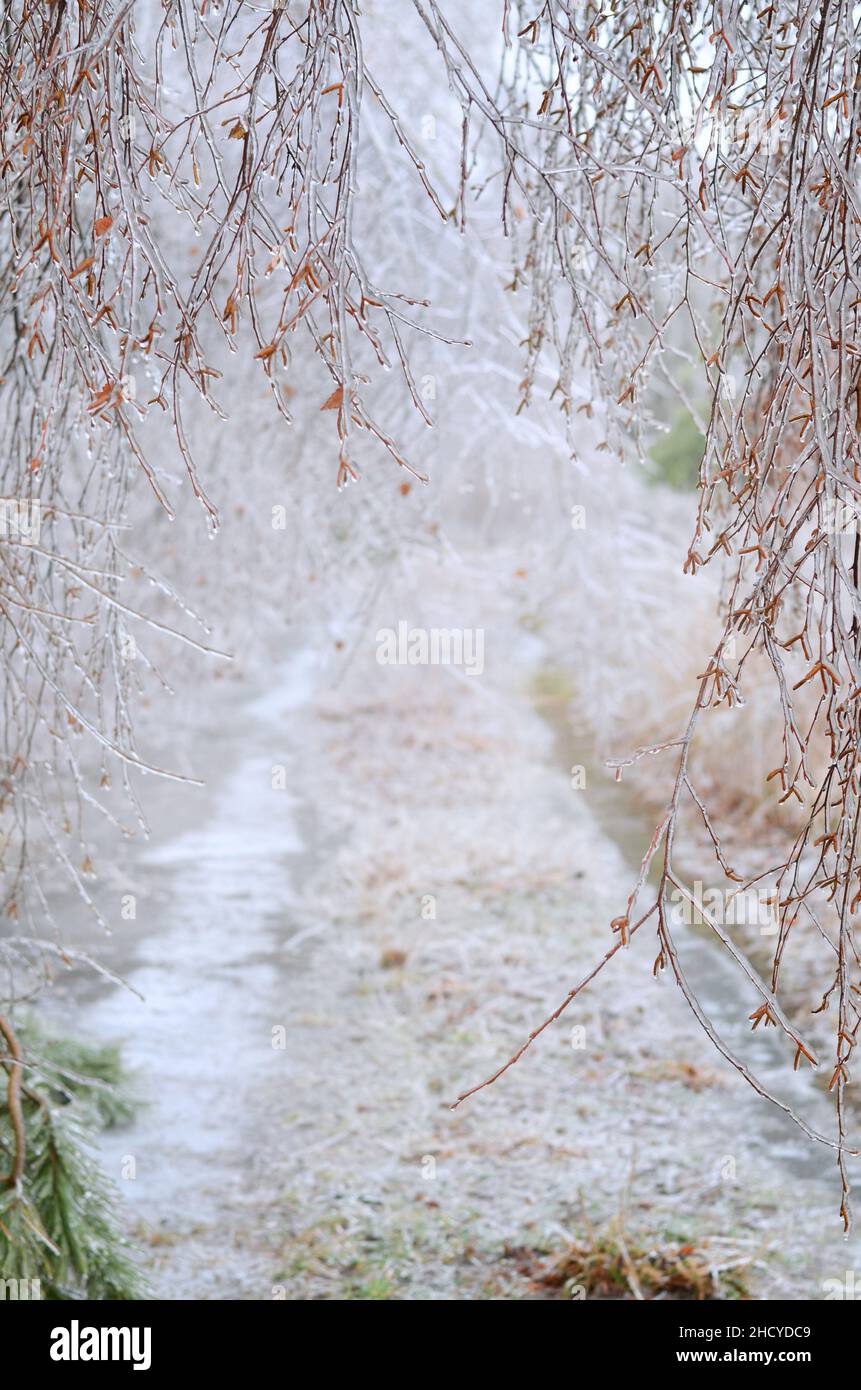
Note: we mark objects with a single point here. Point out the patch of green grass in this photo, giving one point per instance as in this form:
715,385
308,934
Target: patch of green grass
677,455
399,1256
375,1291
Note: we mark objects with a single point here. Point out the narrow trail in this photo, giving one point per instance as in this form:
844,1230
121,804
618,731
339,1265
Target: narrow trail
204,951
304,1028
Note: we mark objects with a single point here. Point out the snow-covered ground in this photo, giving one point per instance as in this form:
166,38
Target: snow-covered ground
388,882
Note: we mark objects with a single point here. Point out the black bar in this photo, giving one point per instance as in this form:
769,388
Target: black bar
232,1338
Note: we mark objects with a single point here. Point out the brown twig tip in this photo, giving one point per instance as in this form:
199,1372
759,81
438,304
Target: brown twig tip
557,1012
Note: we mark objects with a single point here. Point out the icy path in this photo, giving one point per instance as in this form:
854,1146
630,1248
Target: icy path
212,906
305,1168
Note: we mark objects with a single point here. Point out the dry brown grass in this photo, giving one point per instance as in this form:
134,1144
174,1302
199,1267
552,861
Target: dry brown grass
608,1266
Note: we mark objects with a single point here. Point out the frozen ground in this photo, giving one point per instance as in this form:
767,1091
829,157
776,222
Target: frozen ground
327,962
